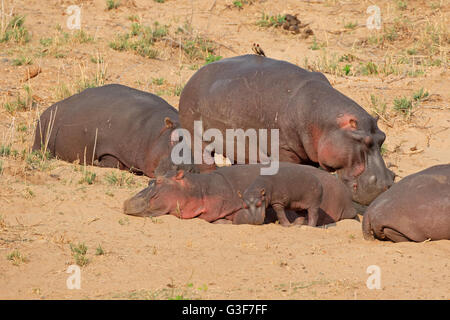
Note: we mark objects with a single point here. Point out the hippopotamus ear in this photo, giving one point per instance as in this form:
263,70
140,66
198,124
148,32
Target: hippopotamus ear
263,192
180,174
239,194
174,137
347,122
168,122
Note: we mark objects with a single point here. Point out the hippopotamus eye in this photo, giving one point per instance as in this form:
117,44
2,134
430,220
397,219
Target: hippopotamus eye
368,141
245,205
259,203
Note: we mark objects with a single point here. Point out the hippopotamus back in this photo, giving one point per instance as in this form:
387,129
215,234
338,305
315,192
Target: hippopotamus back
129,128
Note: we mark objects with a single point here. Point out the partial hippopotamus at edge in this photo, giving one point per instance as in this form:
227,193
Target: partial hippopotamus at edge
128,128
215,195
415,209
317,124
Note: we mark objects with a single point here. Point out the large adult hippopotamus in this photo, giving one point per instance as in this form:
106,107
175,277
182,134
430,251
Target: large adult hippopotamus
415,209
317,124
128,128
215,195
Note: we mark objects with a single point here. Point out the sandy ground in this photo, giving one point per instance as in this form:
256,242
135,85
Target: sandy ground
45,207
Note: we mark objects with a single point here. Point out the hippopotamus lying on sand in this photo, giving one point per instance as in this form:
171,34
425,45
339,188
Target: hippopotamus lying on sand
415,209
215,195
128,128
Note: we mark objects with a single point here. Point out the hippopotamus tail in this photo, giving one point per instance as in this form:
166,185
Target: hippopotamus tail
367,228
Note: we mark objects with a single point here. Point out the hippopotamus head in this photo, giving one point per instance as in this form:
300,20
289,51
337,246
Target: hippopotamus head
164,195
254,201
169,138
353,149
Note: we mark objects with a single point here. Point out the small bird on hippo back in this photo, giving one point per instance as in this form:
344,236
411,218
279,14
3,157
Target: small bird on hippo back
257,50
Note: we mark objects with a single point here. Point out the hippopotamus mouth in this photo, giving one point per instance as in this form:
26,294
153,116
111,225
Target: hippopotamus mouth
139,205
373,181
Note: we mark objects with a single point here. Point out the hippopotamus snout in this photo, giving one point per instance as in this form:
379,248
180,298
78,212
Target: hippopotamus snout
375,180
256,208
383,183
140,204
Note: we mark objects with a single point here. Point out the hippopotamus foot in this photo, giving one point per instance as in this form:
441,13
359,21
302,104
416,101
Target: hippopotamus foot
281,215
394,235
313,216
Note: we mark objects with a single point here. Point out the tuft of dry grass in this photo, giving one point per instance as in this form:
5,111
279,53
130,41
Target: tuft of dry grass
17,258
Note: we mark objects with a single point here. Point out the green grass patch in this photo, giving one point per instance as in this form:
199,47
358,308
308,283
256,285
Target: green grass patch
350,25
99,251
212,58
79,254
21,103
267,21
140,39
347,68
403,105
402,5
88,177
15,31
112,4
370,68
16,257
120,180
420,94
158,81
5,150
22,61
38,160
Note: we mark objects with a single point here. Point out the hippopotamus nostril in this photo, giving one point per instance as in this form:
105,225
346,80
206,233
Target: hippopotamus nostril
373,180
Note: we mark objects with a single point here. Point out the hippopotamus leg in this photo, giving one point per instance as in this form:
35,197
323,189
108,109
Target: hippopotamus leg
281,215
394,235
313,216
109,161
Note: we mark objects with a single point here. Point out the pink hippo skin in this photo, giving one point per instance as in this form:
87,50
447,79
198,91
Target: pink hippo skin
214,196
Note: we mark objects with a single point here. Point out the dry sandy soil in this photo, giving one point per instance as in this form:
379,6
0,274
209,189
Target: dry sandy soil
48,207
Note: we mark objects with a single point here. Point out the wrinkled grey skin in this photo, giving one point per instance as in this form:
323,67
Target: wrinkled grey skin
415,209
317,124
134,129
